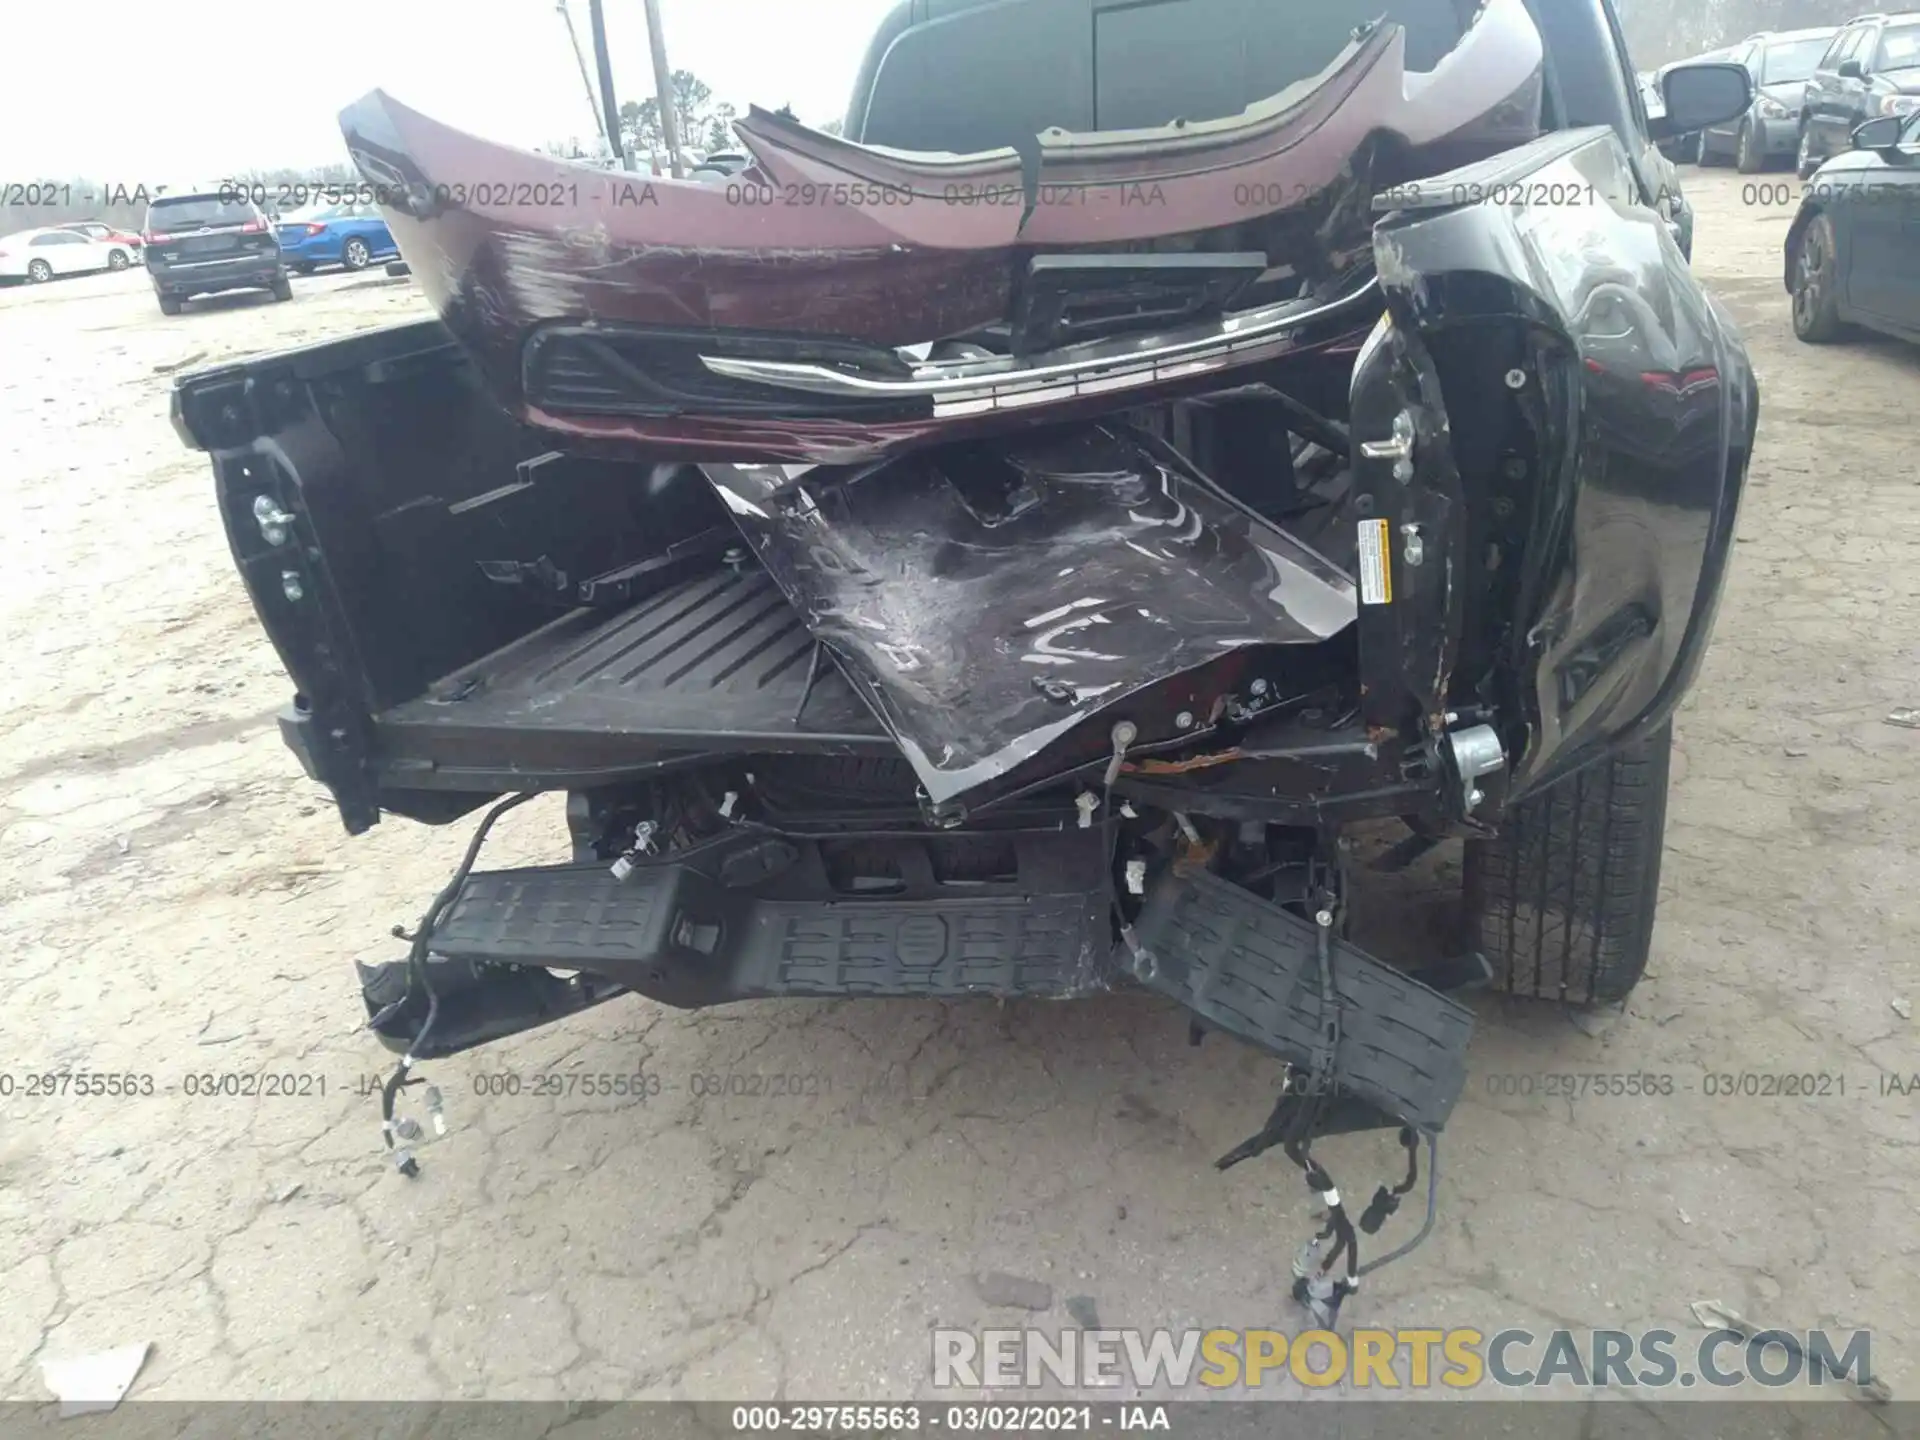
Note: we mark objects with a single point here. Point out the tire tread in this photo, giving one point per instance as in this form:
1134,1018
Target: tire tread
1562,902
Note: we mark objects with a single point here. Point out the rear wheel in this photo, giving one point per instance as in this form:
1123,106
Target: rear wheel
1562,902
118,260
354,254
1816,283
38,272
169,304
1708,155
282,287
1748,157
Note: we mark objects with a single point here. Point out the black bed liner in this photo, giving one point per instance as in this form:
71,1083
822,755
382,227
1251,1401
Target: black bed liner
718,662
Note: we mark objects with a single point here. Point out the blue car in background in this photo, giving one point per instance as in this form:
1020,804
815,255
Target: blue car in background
346,233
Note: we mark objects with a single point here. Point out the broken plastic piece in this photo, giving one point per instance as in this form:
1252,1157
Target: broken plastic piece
91,1384
1136,877
1086,802
1125,732
1304,1257
435,1113
1144,965
622,867
1322,1296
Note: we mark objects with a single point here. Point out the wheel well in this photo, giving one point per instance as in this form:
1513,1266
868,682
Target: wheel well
1791,251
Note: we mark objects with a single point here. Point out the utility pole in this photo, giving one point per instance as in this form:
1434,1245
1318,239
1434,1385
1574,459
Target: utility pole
663,86
597,24
593,100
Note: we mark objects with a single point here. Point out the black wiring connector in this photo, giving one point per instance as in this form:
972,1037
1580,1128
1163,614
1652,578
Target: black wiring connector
1386,1202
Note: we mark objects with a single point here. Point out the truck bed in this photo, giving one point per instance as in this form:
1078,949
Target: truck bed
401,501
718,662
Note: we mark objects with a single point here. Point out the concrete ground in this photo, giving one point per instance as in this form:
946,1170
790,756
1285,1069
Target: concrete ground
177,900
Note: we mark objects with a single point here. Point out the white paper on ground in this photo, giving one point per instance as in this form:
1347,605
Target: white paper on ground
88,1384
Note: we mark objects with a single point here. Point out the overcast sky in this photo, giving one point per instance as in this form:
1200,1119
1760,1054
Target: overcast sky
164,93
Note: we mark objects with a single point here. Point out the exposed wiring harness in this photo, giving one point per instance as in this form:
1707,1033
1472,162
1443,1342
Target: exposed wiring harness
418,974
1125,733
1291,1125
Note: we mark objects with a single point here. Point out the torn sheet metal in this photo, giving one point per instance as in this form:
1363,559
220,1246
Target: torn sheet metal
987,599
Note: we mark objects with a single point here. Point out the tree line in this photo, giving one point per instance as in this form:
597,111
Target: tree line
702,122
1658,30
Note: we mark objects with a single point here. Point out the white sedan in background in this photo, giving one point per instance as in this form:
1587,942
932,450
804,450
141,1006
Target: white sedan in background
39,255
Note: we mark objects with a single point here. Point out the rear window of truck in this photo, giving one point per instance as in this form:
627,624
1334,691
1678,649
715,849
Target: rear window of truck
189,212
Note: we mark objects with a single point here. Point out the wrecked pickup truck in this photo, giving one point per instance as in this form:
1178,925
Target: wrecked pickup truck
1004,551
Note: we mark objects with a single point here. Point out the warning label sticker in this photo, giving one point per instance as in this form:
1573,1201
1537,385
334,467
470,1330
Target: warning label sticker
1376,577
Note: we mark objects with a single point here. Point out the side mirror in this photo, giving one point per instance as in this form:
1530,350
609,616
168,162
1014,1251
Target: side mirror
1880,133
1850,70
1699,94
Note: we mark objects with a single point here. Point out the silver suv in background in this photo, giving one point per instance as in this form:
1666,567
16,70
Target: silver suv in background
1781,64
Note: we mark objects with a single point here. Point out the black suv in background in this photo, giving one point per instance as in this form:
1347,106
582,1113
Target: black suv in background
1871,69
197,244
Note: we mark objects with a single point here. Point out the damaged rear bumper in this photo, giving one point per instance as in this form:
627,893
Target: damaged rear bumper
682,935
794,313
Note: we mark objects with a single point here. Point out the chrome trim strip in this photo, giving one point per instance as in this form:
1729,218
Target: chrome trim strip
969,386
216,260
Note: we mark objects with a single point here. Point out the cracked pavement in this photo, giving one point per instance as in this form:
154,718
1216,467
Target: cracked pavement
177,899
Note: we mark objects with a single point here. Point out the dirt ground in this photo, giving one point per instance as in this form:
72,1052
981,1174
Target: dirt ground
177,900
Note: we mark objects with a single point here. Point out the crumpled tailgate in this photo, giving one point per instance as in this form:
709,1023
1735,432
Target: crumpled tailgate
990,599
